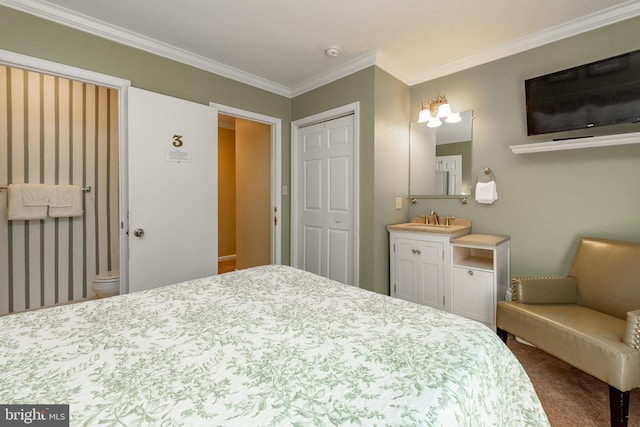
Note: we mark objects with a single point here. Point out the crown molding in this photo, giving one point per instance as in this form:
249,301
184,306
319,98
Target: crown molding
117,34
374,57
359,63
590,22
102,29
383,63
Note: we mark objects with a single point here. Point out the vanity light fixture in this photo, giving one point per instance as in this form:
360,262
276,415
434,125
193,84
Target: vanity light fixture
437,108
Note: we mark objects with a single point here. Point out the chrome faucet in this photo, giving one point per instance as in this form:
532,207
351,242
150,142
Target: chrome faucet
435,217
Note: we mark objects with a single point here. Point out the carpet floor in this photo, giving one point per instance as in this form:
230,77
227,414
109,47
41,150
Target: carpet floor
569,396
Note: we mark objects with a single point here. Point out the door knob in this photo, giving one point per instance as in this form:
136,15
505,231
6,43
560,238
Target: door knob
138,232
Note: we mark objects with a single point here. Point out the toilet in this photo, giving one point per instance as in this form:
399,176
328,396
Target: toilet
107,284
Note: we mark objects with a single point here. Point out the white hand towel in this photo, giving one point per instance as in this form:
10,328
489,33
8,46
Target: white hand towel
16,209
61,196
35,194
486,192
66,201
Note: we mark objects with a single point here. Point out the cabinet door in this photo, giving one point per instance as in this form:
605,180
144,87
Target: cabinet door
473,294
406,261
430,280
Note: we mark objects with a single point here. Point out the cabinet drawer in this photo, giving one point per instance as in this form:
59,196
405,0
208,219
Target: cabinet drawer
418,248
473,294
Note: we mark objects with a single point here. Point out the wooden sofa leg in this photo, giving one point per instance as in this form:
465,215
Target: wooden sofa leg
502,334
619,407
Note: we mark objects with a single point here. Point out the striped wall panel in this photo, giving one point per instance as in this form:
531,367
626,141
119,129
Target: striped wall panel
57,131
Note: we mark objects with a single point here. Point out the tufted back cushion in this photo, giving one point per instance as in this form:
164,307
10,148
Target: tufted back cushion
608,274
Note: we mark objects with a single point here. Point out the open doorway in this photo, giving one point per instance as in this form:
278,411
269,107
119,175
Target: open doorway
62,129
248,190
244,193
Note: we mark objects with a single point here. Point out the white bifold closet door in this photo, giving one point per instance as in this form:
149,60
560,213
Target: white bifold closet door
326,175
172,190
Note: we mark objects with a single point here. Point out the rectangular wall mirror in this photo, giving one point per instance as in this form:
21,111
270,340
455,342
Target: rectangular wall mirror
440,158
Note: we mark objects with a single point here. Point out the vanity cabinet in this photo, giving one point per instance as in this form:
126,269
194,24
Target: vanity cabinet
420,265
480,275
419,271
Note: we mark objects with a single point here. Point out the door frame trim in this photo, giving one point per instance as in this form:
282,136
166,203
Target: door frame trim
276,169
78,74
353,108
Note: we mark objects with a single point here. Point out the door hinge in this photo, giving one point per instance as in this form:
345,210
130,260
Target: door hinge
275,220
394,247
443,303
394,289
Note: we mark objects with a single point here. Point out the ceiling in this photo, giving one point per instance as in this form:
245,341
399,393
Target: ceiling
279,45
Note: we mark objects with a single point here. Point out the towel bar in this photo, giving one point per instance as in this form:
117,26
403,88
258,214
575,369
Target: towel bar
86,189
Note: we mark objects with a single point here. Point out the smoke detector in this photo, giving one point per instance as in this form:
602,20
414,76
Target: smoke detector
332,52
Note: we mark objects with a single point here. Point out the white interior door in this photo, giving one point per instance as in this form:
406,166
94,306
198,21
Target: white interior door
452,166
173,212
326,176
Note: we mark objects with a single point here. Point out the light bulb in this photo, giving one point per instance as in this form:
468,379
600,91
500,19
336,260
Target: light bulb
434,122
444,110
453,118
424,116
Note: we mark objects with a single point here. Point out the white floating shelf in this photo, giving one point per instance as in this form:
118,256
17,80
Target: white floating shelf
571,144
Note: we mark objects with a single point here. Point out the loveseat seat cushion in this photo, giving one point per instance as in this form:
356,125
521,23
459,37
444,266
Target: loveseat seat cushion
587,339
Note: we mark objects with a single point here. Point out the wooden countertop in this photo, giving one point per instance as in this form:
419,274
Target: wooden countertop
487,240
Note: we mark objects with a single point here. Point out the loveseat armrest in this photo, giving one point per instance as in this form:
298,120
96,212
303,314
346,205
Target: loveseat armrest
544,290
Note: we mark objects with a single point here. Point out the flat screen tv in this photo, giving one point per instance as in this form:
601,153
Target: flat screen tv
601,93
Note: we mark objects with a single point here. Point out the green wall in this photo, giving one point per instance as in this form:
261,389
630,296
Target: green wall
28,35
391,171
546,200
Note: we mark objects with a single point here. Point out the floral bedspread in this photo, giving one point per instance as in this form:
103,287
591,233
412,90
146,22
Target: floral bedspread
265,346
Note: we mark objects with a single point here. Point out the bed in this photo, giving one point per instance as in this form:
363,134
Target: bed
266,346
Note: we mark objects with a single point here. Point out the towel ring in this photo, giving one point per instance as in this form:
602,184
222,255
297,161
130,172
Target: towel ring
486,171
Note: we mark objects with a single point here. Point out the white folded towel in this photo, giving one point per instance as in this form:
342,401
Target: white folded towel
486,192
65,201
16,208
35,194
61,196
